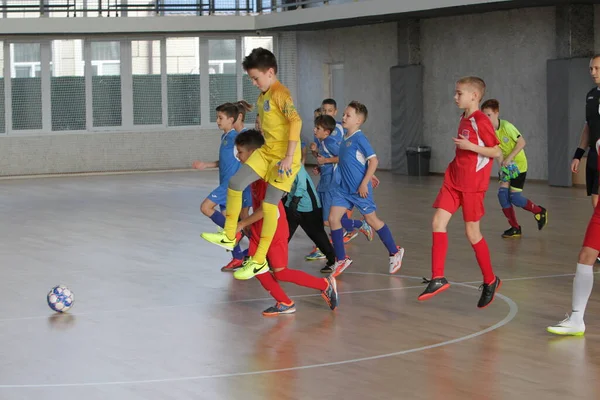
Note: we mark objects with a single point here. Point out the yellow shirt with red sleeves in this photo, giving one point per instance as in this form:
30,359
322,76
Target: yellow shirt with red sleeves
279,119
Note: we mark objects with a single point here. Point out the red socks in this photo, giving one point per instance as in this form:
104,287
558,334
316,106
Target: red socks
532,207
270,284
511,216
482,253
301,278
438,254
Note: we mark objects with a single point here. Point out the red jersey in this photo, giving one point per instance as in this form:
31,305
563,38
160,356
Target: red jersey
470,171
259,190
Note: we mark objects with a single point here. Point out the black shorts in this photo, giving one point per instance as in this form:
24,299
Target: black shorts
591,181
519,181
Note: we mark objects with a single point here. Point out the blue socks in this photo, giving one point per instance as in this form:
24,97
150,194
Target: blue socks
337,236
386,237
517,199
350,224
504,197
218,219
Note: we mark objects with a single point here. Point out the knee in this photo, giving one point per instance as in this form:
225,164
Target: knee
206,209
473,234
587,256
279,274
504,197
236,183
438,223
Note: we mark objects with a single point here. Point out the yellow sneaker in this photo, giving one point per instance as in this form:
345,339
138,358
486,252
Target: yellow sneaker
250,268
220,239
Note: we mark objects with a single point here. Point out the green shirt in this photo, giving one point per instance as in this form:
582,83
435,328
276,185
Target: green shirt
507,134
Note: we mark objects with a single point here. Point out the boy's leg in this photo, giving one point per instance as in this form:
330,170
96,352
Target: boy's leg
337,234
312,224
516,197
293,223
509,211
396,253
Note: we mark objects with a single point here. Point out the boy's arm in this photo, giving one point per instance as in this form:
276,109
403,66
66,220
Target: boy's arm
291,114
490,152
520,145
204,165
487,135
371,169
253,218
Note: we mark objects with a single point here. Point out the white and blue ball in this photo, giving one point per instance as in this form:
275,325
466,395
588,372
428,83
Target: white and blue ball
60,299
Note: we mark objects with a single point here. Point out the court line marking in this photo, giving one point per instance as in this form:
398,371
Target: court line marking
122,310
513,310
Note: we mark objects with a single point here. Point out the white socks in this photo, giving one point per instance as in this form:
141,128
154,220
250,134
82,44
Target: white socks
582,288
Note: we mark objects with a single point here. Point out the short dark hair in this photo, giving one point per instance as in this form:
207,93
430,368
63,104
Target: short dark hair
491,103
330,102
260,59
250,139
326,122
360,109
229,109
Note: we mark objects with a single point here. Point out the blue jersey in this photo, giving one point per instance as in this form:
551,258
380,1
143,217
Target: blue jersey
337,133
355,151
328,148
228,161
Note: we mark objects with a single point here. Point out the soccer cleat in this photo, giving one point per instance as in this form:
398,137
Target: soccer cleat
512,233
233,265
280,308
488,292
367,231
396,260
541,218
567,327
340,266
327,269
434,286
250,268
330,294
220,239
349,236
316,254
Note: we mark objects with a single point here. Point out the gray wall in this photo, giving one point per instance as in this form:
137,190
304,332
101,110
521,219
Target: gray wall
106,151
367,53
508,50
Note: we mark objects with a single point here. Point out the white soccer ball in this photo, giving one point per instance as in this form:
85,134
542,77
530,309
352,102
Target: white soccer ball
60,299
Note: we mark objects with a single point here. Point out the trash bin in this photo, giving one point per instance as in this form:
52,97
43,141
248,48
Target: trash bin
418,160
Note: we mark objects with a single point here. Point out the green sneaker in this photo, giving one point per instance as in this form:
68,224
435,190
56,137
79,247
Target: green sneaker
250,268
220,239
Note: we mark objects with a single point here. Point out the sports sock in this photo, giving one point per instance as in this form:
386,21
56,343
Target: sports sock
232,211
301,278
270,284
482,253
386,237
582,288
337,236
438,254
268,231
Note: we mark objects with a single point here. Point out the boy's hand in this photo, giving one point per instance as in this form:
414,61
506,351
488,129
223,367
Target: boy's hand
199,165
506,162
313,146
374,181
463,143
575,166
363,190
316,170
285,166
240,227
321,160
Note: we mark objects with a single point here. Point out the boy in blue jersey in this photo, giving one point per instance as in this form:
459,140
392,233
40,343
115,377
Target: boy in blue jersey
228,164
357,164
303,208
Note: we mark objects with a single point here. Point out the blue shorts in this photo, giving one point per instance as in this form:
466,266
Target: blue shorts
326,201
350,200
219,196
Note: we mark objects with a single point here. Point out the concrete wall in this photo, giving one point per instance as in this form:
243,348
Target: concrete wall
367,53
508,49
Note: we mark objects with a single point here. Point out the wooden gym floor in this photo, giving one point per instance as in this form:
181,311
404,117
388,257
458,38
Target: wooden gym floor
154,317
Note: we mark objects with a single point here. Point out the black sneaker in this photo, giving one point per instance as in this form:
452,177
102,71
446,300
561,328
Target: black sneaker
541,218
328,269
435,286
488,292
512,233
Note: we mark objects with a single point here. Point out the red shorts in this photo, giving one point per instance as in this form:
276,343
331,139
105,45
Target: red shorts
592,234
450,199
277,256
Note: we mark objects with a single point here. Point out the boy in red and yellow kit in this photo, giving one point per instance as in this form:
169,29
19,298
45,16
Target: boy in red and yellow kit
277,254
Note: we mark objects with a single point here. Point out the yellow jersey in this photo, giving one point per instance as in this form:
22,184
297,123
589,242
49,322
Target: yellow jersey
508,134
279,119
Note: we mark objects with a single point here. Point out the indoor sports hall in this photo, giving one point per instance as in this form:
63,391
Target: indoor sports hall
104,107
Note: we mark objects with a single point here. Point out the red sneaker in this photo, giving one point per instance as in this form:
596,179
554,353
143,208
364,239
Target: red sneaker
233,265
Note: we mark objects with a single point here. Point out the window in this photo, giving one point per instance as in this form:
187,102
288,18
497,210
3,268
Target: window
25,65
222,68
67,85
106,83
183,81
147,86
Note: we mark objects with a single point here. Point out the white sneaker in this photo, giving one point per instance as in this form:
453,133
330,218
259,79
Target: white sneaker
340,266
396,261
567,327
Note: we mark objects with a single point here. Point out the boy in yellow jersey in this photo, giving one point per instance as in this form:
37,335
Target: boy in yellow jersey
277,162
510,191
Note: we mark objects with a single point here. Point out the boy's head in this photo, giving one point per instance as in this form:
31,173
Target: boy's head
318,112
491,108
243,107
261,66
595,69
469,92
324,125
354,116
247,142
226,116
329,107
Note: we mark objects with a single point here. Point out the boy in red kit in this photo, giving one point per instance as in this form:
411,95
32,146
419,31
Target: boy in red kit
277,254
466,180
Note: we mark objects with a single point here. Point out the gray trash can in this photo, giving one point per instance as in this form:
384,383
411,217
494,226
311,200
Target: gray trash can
418,160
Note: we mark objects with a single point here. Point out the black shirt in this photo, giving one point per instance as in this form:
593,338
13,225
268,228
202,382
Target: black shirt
592,117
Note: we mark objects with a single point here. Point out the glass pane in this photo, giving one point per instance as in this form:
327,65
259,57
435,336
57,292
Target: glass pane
26,85
2,120
183,81
67,85
106,84
222,74
147,90
250,92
